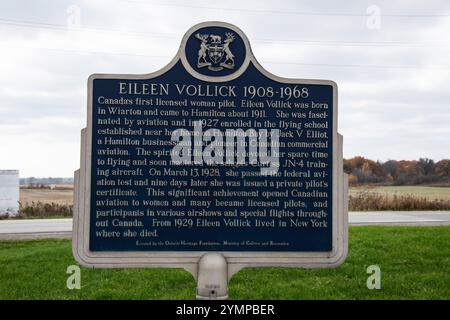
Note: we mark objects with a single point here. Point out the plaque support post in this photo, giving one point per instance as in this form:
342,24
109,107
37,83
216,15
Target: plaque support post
212,277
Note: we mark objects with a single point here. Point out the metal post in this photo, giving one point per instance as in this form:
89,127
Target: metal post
212,278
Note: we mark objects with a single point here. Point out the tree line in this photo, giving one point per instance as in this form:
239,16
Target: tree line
397,172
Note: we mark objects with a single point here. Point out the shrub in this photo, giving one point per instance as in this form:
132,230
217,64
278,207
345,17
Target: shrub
372,201
44,210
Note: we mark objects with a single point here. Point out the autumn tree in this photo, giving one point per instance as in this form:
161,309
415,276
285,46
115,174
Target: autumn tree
424,170
442,169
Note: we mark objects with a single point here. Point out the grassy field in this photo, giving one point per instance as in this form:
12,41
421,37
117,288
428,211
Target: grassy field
403,198
418,191
414,262
46,203
66,196
46,196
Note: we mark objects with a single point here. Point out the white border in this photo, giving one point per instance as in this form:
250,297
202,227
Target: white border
188,260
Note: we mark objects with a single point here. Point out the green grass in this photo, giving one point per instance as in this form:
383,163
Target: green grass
414,262
419,191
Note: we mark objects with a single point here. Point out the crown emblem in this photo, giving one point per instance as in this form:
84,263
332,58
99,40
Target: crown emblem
215,53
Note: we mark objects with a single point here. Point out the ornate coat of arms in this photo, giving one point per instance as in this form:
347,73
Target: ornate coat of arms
215,53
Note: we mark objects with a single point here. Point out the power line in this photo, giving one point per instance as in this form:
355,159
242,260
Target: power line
356,43
291,12
94,52
59,27
434,67
35,24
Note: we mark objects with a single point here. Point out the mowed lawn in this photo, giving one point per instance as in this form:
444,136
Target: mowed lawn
414,262
418,191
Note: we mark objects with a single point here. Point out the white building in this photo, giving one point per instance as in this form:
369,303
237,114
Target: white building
9,192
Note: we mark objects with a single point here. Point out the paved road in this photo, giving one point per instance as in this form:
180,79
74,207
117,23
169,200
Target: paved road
400,218
62,228
35,228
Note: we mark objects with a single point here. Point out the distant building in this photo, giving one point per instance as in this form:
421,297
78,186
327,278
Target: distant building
9,192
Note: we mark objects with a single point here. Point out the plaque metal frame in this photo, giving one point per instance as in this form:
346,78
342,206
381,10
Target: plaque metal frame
189,260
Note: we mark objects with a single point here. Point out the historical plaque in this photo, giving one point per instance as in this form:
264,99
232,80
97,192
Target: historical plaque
210,154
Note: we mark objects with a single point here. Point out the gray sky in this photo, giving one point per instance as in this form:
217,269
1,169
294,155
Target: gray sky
392,69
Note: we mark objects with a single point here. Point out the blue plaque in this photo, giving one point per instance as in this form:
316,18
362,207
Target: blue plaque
210,154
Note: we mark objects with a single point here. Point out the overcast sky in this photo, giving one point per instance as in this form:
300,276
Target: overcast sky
392,69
